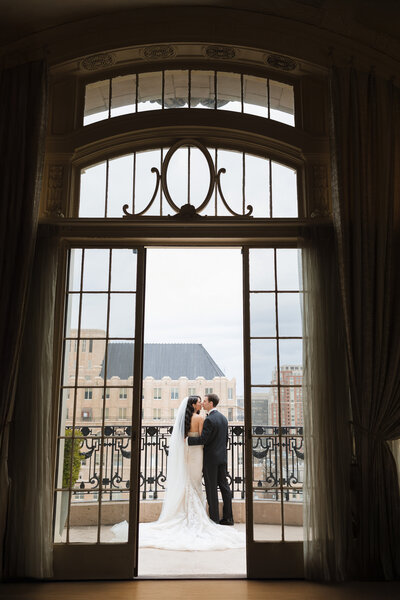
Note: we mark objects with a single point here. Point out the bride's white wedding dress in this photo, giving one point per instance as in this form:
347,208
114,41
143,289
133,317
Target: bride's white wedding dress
184,523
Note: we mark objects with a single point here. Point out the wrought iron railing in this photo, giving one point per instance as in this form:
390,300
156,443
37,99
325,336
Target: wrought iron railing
277,460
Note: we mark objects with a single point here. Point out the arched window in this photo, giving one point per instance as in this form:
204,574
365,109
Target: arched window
192,153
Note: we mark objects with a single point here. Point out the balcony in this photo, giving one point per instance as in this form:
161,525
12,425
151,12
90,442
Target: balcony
277,461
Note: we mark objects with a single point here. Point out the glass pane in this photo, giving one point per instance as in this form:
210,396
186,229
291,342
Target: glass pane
75,266
199,177
176,89
291,406
97,102
202,89
60,518
291,355
114,517
145,180
290,323
91,355
119,365
84,517
122,315
94,314
72,317
150,91
281,98
255,96
261,398
69,367
288,265
229,91
262,315
263,361
123,269
123,95
267,516
177,177
96,269
284,191
120,185
93,191
257,185
262,271
231,181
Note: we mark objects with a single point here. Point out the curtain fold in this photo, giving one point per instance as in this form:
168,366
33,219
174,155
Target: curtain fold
327,448
29,527
23,92
366,203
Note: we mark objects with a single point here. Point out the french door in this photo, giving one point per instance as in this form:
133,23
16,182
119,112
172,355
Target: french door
99,432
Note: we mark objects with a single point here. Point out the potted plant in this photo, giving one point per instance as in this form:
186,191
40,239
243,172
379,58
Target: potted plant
71,451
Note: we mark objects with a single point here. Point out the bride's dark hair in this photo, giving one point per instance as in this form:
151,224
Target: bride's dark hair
192,400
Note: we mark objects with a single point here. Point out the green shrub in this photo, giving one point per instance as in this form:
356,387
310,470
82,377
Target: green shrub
76,457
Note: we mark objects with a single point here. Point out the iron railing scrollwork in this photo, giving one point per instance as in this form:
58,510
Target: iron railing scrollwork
269,446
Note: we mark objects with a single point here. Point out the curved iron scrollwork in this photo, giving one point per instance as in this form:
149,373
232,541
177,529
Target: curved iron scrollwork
278,455
187,210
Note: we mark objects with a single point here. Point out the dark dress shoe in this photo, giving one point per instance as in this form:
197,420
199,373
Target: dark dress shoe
226,522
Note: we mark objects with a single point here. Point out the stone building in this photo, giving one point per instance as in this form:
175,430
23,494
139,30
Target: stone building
170,373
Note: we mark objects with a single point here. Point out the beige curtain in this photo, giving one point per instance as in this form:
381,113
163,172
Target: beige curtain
327,449
22,126
29,527
366,130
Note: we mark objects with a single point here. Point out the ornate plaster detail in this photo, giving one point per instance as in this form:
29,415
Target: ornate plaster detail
320,191
154,52
283,63
224,52
97,61
55,185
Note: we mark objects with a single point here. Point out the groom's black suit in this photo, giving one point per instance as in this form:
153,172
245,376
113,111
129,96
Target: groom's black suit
214,437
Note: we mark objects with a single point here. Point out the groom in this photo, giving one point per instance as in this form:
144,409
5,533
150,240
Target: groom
214,437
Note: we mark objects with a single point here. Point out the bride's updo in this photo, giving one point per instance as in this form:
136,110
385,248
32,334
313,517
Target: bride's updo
192,400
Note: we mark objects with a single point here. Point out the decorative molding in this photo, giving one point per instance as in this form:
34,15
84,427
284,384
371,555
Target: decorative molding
283,63
157,52
320,191
220,52
55,185
97,61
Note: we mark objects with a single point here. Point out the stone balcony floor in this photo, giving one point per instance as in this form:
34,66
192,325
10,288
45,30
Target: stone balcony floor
169,563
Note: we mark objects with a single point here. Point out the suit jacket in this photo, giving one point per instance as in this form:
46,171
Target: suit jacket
214,437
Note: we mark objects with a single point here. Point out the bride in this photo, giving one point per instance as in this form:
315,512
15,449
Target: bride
183,523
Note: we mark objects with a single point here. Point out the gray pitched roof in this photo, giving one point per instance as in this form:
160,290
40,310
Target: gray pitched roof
173,360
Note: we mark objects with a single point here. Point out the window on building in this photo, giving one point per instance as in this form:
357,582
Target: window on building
90,345
107,393
83,345
230,414
173,413
230,393
122,413
123,393
157,393
89,364
157,413
191,391
174,393
88,394
86,414
208,390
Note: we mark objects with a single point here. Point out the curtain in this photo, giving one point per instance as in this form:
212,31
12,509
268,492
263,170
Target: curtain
327,448
29,527
366,204
22,126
